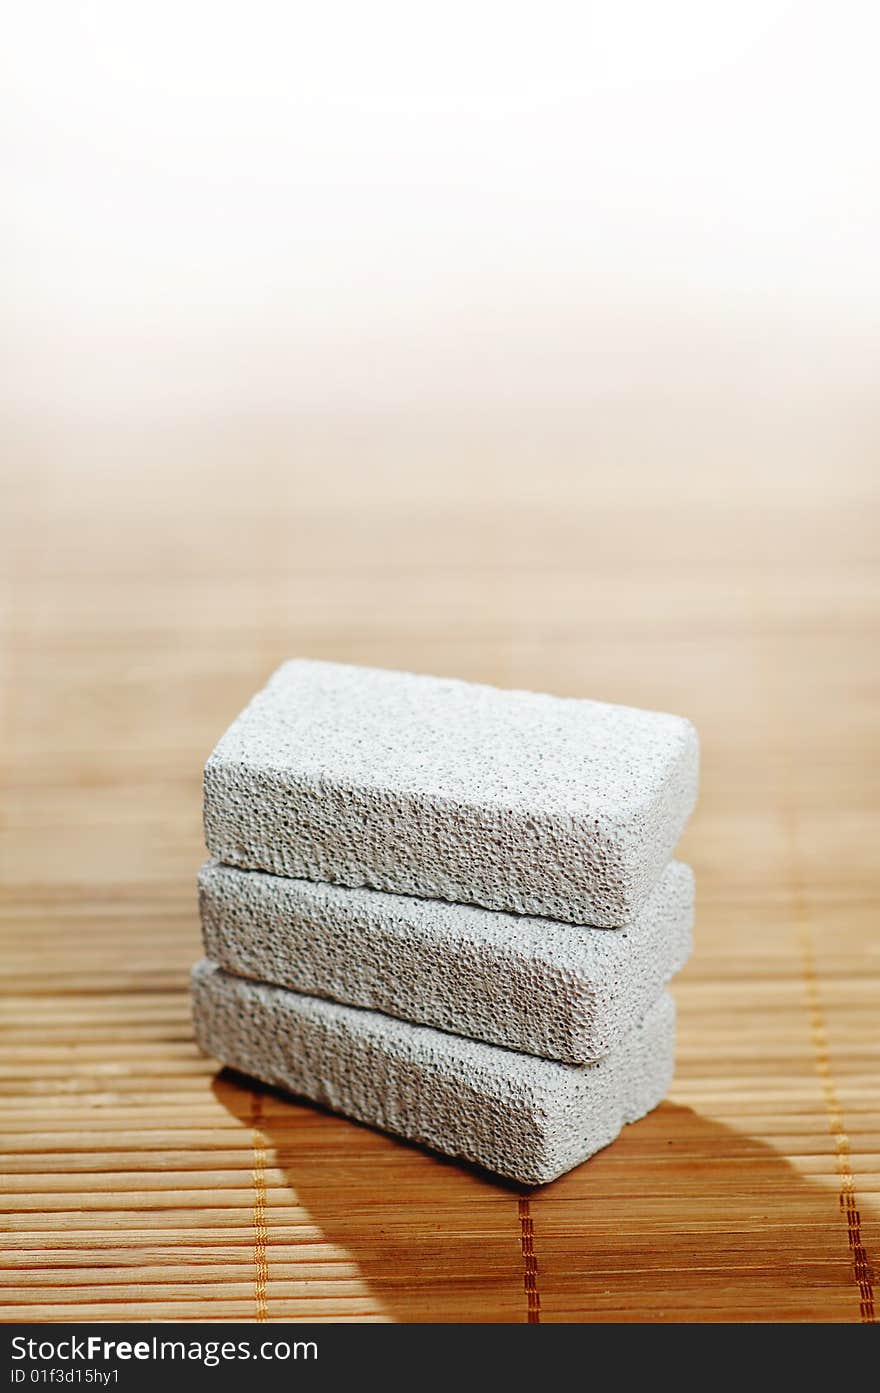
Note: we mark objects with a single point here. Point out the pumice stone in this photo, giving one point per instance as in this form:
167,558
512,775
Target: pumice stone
525,1118
538,805
534,985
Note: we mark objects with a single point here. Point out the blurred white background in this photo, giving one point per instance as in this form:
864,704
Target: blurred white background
342,205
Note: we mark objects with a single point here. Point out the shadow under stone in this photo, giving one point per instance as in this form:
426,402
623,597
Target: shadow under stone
681,1218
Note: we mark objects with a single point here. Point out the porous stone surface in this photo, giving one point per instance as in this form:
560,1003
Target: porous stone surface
534,985
564,808
526,1118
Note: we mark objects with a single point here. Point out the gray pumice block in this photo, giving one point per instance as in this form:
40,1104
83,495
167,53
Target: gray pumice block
529,984
525,1118
564,808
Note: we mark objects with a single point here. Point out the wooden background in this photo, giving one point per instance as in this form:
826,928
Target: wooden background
712,552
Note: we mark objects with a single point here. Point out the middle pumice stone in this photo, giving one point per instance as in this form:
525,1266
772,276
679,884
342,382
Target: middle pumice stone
534,985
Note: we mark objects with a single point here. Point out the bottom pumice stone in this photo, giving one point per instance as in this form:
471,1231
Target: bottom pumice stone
523,1117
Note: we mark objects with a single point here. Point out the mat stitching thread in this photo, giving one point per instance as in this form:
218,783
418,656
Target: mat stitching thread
833,1110
530,1262
261,1233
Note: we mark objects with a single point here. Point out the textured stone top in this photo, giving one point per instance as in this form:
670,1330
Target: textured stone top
431,786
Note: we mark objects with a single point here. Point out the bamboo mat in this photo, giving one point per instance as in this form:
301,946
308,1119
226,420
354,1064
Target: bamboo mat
153,577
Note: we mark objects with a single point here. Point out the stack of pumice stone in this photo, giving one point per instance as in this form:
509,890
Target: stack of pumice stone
448,910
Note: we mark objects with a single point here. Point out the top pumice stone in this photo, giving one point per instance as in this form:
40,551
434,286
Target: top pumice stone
429,786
